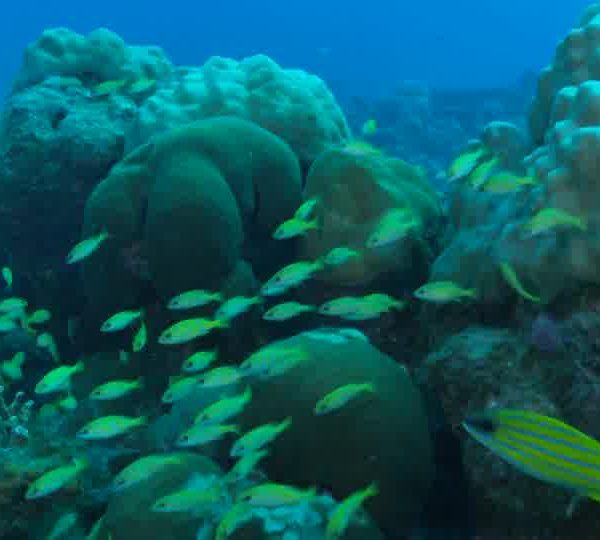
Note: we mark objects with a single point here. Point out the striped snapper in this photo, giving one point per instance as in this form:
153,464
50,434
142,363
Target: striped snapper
542,447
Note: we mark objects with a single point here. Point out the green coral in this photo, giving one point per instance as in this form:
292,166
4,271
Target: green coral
355,190
185,206
382,439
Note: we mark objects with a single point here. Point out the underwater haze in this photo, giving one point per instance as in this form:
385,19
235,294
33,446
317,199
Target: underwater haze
300,271
361,48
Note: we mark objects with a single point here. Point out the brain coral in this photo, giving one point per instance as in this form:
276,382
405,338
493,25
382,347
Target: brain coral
355,190
575,61
296,106
383,438
100,56
181,208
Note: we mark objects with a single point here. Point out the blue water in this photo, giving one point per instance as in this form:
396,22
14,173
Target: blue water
361,48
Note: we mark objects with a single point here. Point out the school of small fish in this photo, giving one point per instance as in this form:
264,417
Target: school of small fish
216,421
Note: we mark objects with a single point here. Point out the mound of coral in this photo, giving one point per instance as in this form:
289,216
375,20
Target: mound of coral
293,104
355,189
181,208
100,56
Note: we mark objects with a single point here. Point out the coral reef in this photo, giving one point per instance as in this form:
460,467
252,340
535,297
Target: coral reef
56,144
293,104
385,439
354,191
191,197
429,125
574,63
100,56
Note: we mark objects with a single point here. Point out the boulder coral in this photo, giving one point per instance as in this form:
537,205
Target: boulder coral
355,190
181,209
100,56
55,145
490,228
382,438
575,61
293,104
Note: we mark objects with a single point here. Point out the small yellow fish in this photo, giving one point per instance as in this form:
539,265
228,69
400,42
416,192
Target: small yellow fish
341,396
286,311
259,437
143,468
361,148
189,329
512,279
548,219
180,388
340,255
199,361
116,389
13,369
369,128
58,379
7,275
200,434
54,480
234,517
109,87
86,247
343,513
393,226
272,360
482,172
362,308
120,321
340,307
443,292
39,316
219,377
465,163
140,339
107,427
194,298
141,85
8,305
46,341
507,183
189,499
294,227
306,209
235,306
290,276
270,495
224,409
246,465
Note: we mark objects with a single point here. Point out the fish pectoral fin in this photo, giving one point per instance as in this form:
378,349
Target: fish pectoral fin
573,504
